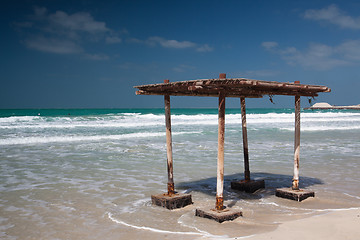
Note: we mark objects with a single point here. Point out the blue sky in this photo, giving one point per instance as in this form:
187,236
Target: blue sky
90,54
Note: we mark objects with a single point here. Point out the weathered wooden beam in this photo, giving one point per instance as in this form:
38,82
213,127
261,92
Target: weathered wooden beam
295,182
295,193
290,86
245,140
247,184
171,199
171,188
220,159
196,94
237,83
229,93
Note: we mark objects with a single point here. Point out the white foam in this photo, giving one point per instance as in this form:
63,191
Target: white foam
153,229
18,119
323,128
336,209
84,125
133,120
357,197
181,222
62,139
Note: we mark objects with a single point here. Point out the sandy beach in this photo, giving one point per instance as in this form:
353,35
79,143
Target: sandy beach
330,225
91,174
337,224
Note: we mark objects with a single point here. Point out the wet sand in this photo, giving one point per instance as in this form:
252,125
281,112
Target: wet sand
337,224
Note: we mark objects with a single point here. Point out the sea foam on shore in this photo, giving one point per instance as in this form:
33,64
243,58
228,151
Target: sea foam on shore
76,174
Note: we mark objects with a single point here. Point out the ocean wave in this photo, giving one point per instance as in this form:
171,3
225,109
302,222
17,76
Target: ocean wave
322,128
84,125
283,121
149,120
19,119
62,139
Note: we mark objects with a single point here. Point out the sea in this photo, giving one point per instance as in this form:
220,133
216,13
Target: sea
90,173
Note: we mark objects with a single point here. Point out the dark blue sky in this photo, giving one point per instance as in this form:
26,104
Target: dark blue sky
90,54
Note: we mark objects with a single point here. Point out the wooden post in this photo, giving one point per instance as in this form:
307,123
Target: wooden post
245,140
294,193
247,184
170,200
219,215
171,188
220,160
295,182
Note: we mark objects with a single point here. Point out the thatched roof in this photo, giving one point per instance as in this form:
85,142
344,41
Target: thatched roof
231,87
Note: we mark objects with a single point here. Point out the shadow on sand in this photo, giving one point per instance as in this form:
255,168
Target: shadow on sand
272,182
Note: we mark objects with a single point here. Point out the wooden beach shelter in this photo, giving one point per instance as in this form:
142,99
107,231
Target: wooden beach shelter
230,87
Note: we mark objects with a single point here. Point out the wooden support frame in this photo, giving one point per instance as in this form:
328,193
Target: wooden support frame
295,193
247,184
245,140
170,185
229,87
171,199
295,181
220,159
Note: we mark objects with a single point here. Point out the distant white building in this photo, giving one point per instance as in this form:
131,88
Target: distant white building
321,105
324,105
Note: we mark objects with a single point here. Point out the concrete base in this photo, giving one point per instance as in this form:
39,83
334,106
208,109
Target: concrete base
297,195
219,216
177,200
248,186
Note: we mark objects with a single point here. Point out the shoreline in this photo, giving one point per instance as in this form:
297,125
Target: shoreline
333,225
103,168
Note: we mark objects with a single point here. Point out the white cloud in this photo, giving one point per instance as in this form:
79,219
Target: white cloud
320,56
53,45
204,48
334,15
81,21
63,33
317,56
134,40
97,57
350,50
166,43
113,39
269,45
170,43
183,68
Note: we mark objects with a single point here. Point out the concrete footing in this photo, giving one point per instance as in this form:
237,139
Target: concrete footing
248,186
173,201
297,195
219,216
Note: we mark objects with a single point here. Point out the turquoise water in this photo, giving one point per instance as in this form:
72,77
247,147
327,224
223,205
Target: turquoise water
86,112
89,173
